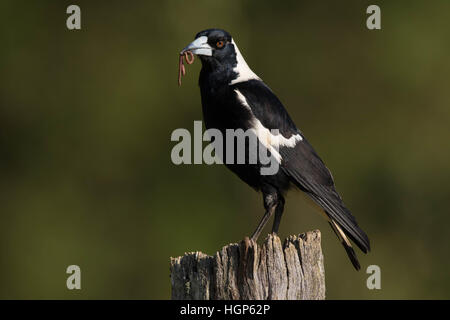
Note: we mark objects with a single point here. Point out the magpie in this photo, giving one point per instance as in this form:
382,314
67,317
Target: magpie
234,97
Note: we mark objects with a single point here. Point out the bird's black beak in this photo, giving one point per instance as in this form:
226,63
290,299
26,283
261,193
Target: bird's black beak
199,47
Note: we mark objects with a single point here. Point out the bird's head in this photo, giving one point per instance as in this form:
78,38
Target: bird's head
220,54
213,46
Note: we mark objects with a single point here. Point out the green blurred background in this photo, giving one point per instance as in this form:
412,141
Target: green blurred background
86,117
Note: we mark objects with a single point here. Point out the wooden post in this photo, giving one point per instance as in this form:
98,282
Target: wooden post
246,271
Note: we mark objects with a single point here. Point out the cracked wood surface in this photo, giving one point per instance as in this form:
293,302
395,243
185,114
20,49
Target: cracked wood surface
246,271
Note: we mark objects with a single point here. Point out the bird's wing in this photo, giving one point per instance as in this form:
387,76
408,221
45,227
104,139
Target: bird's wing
266,107
301,162
310,174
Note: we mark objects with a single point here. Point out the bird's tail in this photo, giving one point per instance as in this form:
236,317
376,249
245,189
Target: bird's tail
346,243
343,223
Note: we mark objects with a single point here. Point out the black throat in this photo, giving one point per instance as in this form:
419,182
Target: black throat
215,72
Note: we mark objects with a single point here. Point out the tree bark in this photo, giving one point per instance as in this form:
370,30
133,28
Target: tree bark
246,271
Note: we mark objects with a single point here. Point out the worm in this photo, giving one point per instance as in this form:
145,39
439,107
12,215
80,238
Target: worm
189,56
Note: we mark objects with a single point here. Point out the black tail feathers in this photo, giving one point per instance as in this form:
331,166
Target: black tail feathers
352,255
346,244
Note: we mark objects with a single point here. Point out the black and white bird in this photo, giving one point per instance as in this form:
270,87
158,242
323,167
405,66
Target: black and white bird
234,97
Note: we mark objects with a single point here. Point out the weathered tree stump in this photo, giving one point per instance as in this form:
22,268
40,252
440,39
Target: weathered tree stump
246,271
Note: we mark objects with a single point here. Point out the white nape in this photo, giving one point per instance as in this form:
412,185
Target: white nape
268,140
242,69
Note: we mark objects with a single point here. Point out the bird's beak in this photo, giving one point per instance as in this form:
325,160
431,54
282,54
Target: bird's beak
199,47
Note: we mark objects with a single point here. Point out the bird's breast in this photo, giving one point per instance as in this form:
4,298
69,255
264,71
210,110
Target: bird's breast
222,111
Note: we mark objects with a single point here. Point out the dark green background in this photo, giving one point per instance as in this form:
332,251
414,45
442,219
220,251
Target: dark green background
86,117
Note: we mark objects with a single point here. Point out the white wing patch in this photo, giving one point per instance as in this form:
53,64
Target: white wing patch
268,140
242,69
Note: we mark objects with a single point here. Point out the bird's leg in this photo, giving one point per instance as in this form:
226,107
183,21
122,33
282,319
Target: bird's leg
270,203
262,223
278,213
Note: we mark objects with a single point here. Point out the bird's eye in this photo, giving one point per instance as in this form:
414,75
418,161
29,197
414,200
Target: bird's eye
220,44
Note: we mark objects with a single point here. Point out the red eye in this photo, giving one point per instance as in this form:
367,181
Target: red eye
220,44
